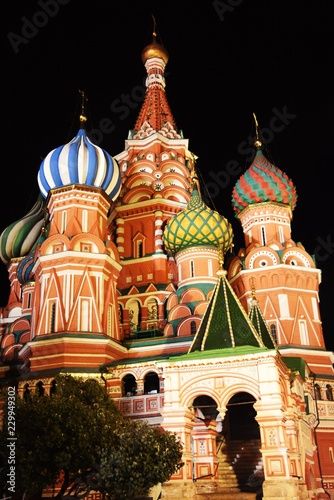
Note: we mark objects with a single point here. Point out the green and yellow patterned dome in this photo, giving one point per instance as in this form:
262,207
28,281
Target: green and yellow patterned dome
197,225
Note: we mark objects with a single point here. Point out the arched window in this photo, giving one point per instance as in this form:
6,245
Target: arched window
139,249
134,315
281,234
263,235
317,392
84,221
26,392
52,316
110,319
210,271
179,271
139,245
129,385
120,313
152,310
151,383
63,221
40,388
303,332
273,332
84,315
192,269
329,392
53,388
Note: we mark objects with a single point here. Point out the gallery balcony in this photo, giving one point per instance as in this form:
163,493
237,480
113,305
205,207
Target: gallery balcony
142,406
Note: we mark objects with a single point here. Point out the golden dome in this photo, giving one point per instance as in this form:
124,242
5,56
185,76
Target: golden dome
154,49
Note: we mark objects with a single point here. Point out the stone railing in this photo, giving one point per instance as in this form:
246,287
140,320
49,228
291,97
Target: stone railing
141,405
325,409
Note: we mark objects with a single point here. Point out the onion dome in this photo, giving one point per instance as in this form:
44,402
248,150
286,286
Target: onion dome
79,162
154,49
263,182
18,239
24,271
197,225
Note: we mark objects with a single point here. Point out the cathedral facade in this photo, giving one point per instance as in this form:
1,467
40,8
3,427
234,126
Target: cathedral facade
122,273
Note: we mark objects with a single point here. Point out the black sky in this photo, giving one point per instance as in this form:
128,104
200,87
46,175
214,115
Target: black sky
228,59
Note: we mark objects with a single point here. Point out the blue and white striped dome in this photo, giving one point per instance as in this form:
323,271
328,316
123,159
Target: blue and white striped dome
79,162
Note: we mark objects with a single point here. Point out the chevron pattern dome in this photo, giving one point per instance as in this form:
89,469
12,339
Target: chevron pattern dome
263,182
79,162
197,225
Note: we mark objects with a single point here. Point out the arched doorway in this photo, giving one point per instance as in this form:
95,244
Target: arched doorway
242,443
205,408
241,414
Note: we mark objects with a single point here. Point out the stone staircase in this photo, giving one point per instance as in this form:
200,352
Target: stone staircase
240,464
240,473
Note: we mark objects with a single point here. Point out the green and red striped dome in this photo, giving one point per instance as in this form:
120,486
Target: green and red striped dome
21,236
263,182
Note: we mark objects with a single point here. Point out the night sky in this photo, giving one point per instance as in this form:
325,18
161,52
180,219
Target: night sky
228,59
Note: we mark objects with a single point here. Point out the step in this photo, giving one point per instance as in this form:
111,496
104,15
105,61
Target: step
226,496
240,467
229,482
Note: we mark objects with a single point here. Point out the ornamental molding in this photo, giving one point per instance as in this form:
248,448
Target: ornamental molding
228,366
298,255
262,253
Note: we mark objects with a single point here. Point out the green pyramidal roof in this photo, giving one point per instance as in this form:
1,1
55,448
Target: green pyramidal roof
260,324
225,323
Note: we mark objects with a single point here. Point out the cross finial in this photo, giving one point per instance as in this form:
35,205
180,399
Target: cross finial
84,99
154,27
257,142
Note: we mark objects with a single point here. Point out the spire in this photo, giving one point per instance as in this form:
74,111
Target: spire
225,323
155,114
259,322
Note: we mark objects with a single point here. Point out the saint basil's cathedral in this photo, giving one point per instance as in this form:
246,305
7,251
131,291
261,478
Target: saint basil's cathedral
122,273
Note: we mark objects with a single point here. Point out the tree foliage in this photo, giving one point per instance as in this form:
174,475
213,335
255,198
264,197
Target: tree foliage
142,456
77,440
